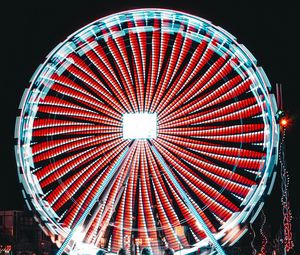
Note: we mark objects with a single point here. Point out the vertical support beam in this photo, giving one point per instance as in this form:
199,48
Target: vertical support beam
286,210
188,202
94,200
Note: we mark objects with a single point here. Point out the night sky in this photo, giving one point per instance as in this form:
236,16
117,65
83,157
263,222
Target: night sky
31,30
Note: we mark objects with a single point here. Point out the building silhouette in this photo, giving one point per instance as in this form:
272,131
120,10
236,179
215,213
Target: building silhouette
21,235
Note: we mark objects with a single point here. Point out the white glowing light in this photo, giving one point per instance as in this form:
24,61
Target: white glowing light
139,125
79,234
81,248
84,249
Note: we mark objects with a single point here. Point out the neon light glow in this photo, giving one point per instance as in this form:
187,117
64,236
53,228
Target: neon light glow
139,125
284,122
147,128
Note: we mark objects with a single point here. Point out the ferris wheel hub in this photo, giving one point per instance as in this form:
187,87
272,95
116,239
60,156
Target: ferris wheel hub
139,126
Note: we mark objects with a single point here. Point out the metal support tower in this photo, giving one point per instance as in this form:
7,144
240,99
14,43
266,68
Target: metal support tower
189,204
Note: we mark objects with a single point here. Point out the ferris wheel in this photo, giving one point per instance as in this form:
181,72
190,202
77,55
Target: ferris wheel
147,128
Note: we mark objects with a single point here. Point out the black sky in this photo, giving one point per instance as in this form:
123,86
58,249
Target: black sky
30,30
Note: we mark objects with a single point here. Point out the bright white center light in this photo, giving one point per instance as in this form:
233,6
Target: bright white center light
139,125
79,234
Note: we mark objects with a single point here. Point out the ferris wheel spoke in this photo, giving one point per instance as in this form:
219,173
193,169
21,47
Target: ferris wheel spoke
206,206
125,88
78,66
213,135
142,41
99,222
183,52
146,41
201,199
60,196
239,115
164,81
67,88
92,200
78,206
189,203
230,155
66,104
196,132
142,225
205,57
95,86
70,89
237,183
163,208
187,218
196,142
196,86
109,80
164,40
119,48
179,71
138,64
251,139
212,115
154,63
127,208
195,173
210,170
116,202
149,88
163,58
119,218
59,168
181,79
146,193
190,221
70,146
247,138
224,96
52,127
225,92
100,228
101,81
131,49
191,80
92,229
159,85
84,116
179,53
105,66
127,213
87,175
117,236
185,212
129,197
166,227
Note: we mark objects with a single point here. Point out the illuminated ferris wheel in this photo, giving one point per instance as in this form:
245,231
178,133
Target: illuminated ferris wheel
147,128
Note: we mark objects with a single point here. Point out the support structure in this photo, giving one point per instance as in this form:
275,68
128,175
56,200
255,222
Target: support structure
286,210
186,200
94,200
